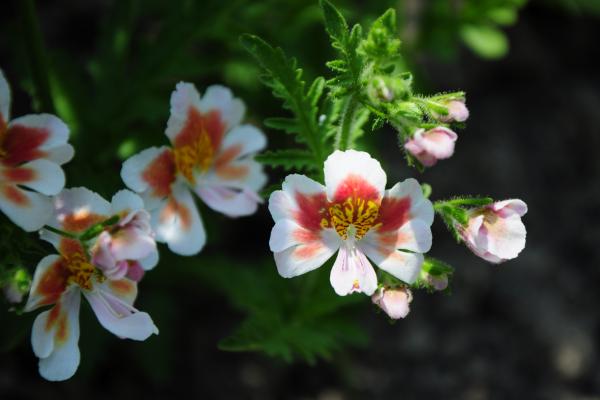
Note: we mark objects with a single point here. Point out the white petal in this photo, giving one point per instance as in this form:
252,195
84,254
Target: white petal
4,99
29,210
126,201
220,98
414,235
508,207
420,207
64,358
177,223
120,319
233,203
246,139
77,209
42,273
61,154
353,173
57,130
506,237
300,259
352,272
183,97
49,178
244,173
283,203
134,169
403,265
150,261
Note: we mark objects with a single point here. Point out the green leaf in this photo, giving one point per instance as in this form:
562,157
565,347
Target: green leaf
285,79
335,23
288,159
485,40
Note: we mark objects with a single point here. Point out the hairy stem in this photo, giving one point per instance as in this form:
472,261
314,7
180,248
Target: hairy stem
345,129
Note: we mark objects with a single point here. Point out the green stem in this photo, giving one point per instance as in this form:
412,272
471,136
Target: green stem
37,59
61,233
343,136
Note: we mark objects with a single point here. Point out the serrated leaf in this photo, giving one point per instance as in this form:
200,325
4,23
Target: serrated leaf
335,23
288,159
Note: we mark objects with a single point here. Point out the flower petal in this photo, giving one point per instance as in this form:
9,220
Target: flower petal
60,154
302,200
29,210
506,237
55,338
403,265
403,202
152,171
233,203
178,223
45,176
150,261
4,100
353,174
32,136
184,97
352,272
311,254
49,282
438,142
507,208
125,201
220,98
119,318
241,141
77,209
414,235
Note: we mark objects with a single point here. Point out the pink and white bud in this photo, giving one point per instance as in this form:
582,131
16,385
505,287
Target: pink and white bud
394,302
438,283
457,112
496,232
13,293
430,146
131,239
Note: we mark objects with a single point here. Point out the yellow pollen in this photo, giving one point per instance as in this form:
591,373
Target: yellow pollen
81,270
198,154
359,213
355,284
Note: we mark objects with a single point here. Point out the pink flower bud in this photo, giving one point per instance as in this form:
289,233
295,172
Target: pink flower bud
12,293
395,302
438,283
432,145
496,232
457,111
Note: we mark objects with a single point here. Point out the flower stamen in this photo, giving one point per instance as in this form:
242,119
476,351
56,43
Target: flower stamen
198,154
353,217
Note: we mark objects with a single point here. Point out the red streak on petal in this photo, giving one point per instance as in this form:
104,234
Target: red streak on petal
160,174
198,123
52,317
53,283
123,287
175,209
308,250
19,174
22,144
58,318
357,187
311,210
81,220
306,236
224,167
393,213
15,195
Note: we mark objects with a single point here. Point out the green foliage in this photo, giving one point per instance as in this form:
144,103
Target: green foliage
307,321
285,79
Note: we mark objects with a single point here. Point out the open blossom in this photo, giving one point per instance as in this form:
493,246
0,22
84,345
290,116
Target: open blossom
430,146
394,302
495,232
354,216
32,149
60,280
211,155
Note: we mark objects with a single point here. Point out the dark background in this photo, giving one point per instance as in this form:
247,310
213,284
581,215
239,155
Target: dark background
528,328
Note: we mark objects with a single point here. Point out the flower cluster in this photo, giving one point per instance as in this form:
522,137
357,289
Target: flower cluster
104,249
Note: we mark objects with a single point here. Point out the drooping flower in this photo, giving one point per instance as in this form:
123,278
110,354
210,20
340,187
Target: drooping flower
395,302
211,155
430,146
32,149
60,280
457,112
354,216
495,232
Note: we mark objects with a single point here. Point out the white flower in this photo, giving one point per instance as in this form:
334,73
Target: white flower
211,155
354,216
